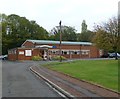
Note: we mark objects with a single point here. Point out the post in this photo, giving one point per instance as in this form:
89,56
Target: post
60,42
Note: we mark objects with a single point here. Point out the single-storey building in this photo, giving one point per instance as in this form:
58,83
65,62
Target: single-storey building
44,48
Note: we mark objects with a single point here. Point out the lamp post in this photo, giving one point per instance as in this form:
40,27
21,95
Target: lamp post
60,41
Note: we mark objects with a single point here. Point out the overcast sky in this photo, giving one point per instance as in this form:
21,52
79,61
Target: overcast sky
48,13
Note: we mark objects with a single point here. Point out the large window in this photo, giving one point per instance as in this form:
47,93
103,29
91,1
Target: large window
28,53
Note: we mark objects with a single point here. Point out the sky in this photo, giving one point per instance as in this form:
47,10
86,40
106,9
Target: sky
48,13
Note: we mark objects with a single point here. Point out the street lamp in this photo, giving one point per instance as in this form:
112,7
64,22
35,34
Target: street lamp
60,41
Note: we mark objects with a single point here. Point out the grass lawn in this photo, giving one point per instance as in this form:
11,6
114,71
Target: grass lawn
102,72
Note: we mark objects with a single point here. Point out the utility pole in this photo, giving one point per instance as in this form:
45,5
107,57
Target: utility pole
60,41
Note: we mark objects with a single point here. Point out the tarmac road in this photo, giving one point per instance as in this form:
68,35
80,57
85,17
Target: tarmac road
18,81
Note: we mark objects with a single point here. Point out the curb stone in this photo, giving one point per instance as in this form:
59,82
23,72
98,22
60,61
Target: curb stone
68,95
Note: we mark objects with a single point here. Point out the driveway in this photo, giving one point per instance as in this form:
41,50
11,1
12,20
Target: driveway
18,81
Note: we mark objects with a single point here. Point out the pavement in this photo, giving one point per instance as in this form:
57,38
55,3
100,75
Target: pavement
18,81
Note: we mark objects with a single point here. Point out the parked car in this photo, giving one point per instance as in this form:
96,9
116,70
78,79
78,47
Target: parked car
112,55
3,57
105,55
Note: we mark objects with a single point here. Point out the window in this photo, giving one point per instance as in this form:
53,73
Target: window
54,52
21,52
9,52
65,52
15,51
57,52
72,52
28,53
75,52
78,52
85,52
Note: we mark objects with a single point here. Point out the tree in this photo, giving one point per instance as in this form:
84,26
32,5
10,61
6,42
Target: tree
107,36
68,33
0,35
16,29
37,32
85,36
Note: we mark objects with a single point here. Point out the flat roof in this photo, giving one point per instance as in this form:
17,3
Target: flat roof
58,42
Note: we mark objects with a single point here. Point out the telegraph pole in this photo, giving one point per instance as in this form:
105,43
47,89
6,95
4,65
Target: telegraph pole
60,41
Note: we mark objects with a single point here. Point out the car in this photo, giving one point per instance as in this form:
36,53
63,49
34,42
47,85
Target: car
106,55
112,55
3,57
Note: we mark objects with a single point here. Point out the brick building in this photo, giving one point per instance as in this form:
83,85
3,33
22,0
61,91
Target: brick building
45,48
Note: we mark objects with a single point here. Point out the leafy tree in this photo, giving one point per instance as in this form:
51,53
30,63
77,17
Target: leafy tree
86,36
16,29
107,36
68,33
0,41
37,32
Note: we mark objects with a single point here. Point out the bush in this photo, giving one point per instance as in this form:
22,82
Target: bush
36,58
58,58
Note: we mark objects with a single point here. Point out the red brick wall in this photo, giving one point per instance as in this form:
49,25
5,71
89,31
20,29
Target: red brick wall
22,56
35,52
18,56
12,54
12,57
94,52
28,44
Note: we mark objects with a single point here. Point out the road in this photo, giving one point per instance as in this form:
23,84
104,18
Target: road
18,81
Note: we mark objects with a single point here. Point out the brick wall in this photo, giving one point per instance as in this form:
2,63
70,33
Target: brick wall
28,44
92,51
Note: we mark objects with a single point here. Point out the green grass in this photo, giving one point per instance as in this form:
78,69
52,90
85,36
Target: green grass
102,72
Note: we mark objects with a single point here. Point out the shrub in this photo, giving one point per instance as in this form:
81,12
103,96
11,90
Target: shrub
58,58
36,58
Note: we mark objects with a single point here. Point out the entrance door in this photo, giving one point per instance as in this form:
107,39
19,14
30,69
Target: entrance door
45,54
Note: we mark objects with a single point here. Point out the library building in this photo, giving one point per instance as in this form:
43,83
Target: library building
45,48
